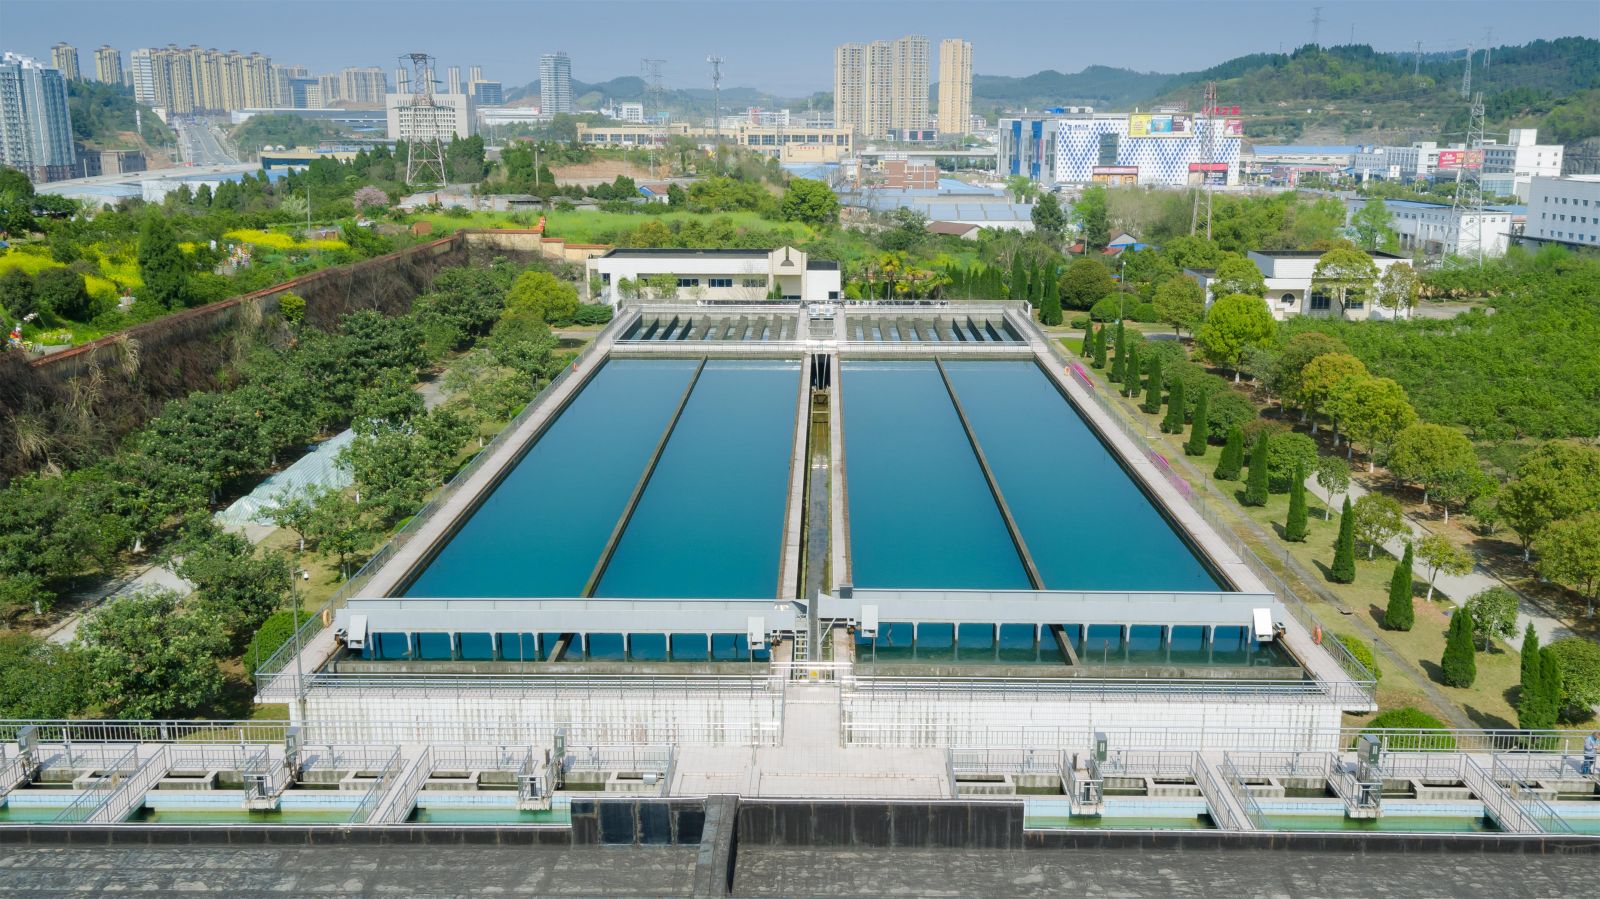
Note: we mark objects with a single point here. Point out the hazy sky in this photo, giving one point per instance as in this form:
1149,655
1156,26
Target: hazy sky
782,46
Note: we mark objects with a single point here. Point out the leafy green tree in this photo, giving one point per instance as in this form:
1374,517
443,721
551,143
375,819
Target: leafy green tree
1401,612
1234,324
1094,217
1232,460
1398,289
1288,453
339,530
1284,377
150,659
1333,475
810,201
1255,489
1557,480
1574,682
1372,411
1569,554
63,293
1084,282
1181,303
1429,454
1294,529
1344,548
1048,219
1152,396
1322,379
542,295
1344,274
1176,407
39,679
235,585
1378,519
1459,665
162,265
1196,444
16,203
1236,274
1100,348
1408,718
1441,556
17,296
1373,224
1494,614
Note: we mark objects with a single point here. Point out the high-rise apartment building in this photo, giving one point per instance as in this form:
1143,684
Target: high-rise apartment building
362,85
402,80
882,87
955,85
555,84
64,57
452,77
108,64
190,80
284,85
35,124
474,74
141,63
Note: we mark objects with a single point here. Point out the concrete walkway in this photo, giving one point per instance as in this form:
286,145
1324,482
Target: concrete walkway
1458,588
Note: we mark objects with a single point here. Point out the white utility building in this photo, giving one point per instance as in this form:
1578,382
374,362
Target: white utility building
713,274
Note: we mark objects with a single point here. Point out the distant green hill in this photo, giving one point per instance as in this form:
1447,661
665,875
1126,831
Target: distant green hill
102,114
1102,86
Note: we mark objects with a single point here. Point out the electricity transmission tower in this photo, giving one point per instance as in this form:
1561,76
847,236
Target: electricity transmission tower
421,122
1466,210
716,104
651,69
1209,109
1316,25
1466,73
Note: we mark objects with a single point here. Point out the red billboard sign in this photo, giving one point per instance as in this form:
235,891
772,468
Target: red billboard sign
1208,166
1450,160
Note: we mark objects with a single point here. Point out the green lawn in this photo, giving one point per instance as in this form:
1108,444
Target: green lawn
597,226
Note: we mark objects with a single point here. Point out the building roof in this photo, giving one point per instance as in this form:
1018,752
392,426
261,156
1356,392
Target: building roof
1314,254
955,229
821,265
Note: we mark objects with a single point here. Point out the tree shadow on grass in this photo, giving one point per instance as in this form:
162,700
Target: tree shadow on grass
1377,612
1487,720
1433,670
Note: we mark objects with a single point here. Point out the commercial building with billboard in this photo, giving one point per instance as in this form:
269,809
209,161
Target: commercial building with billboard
1115,175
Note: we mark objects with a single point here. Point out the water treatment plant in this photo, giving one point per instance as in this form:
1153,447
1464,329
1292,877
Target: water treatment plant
757,568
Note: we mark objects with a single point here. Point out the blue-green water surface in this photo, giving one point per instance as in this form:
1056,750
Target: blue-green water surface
540,532
710,523
1087,525
921,514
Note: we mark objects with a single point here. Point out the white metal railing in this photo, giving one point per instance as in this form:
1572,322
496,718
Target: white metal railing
130,793
1283,764
1526,794
385,771
1506,812
264,775
345,758
1216,795
990,761
99,790
617,757
1541,765
803,670
1240,791
1086,788
395,805
481,758
1148,763
1357,794
15,768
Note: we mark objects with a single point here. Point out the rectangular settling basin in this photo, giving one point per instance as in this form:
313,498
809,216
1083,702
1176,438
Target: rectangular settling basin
922,513
707,524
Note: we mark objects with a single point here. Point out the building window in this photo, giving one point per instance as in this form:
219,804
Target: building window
755,282
605,277
721,282
688,282
1288,298
1319,301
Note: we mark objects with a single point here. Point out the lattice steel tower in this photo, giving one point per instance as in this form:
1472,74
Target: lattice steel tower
424,143
1466,210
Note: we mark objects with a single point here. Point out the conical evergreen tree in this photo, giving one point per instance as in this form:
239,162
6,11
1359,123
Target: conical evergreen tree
1530,657
1534,711
1196,444
1551,675
1176,409
1294,527
1232,456
1255,486
1050,309
1344,548
1401,613
1087,349
1100,348
1458,667
1019,278
1132,377
1152,394
1119,365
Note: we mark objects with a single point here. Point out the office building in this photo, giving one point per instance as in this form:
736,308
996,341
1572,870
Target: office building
362,86
451,116
1289,276
882,87
64,57
35,124
555,84
487,93
1564,210
108,65
789,145
474,74
955,86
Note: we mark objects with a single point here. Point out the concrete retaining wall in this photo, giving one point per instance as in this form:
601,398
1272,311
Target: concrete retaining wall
637,822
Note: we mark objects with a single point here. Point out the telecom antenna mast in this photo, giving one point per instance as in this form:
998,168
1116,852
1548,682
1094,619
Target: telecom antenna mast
716,103
420,124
